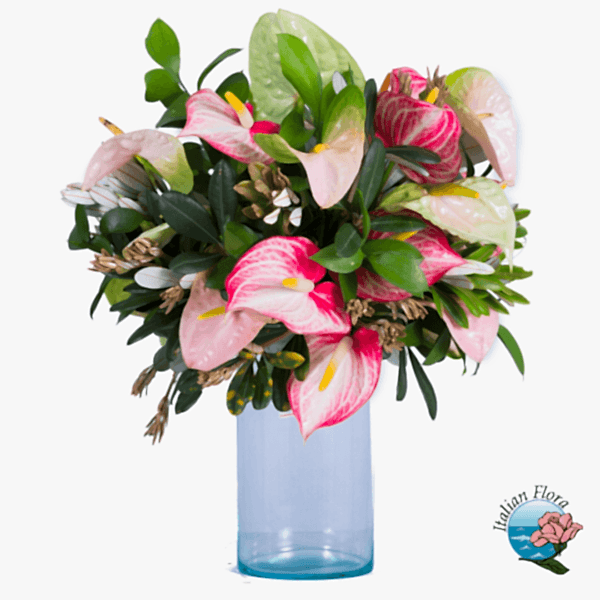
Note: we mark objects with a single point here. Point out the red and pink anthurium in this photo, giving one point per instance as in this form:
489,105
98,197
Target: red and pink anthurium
401,118
228,125
476,340
277,278
438,259
344,371
163,151
209,334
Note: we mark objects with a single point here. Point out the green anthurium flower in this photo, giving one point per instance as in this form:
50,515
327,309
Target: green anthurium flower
475,209
273,94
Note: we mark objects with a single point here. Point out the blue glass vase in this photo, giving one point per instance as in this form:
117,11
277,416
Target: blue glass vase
305,511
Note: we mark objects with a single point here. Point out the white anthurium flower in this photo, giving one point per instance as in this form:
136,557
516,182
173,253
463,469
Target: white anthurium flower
157,278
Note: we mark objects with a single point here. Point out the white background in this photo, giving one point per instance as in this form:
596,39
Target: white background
90,509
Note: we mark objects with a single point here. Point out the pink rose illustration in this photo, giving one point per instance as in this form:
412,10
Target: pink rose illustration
555,529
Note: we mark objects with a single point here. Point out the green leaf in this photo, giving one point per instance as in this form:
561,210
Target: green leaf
215,62
440,349
492,302
160,362
396,223
521,213
424,384
372,171
400,269
328,258
474,304
347,241
160,85
511,345
414,334
512,296
162,45
107,279
293,131
190,262
402,385
136,301
482,253
349,285
216,279
505,273
98,242
298,345
238,238
366,218
221,195
394,200
159,323
549,563
280,397
452,307
300,69
345,113
370,94
263,393
238,392
188,217
470,166
81,222
175,115
120,220
276,147
285,359
185,401
414,154
237,84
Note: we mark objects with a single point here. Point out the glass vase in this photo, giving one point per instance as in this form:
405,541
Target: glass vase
305,510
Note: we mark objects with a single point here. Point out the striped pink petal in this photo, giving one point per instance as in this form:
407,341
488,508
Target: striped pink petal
256,283
162,150
476,340
211,118
352,385
417,82
209,342
402,120
438,258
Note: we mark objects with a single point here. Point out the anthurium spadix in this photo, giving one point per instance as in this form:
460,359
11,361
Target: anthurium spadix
163,151
438,259
277,278
480,213
227,125
209,334
476,340
486,114
333,164
344,371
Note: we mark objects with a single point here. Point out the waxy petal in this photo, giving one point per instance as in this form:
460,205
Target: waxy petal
417,82
402,120
256,283
352,385
489,218
156,278
211,118
208,343
476,340
162,150
332,171
438,259
486,114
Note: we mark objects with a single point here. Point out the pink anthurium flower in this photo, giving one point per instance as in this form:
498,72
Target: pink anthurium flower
209,334
277,278
344,371
438,259
163,151
228,125
476,340
401,118
486,114
332,165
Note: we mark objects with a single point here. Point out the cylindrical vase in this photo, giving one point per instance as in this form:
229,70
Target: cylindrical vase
305,510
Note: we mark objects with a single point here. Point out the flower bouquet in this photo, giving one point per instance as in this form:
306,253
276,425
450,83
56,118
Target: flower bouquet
308,206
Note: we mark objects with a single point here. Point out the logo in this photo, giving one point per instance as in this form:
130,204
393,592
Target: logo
539,529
